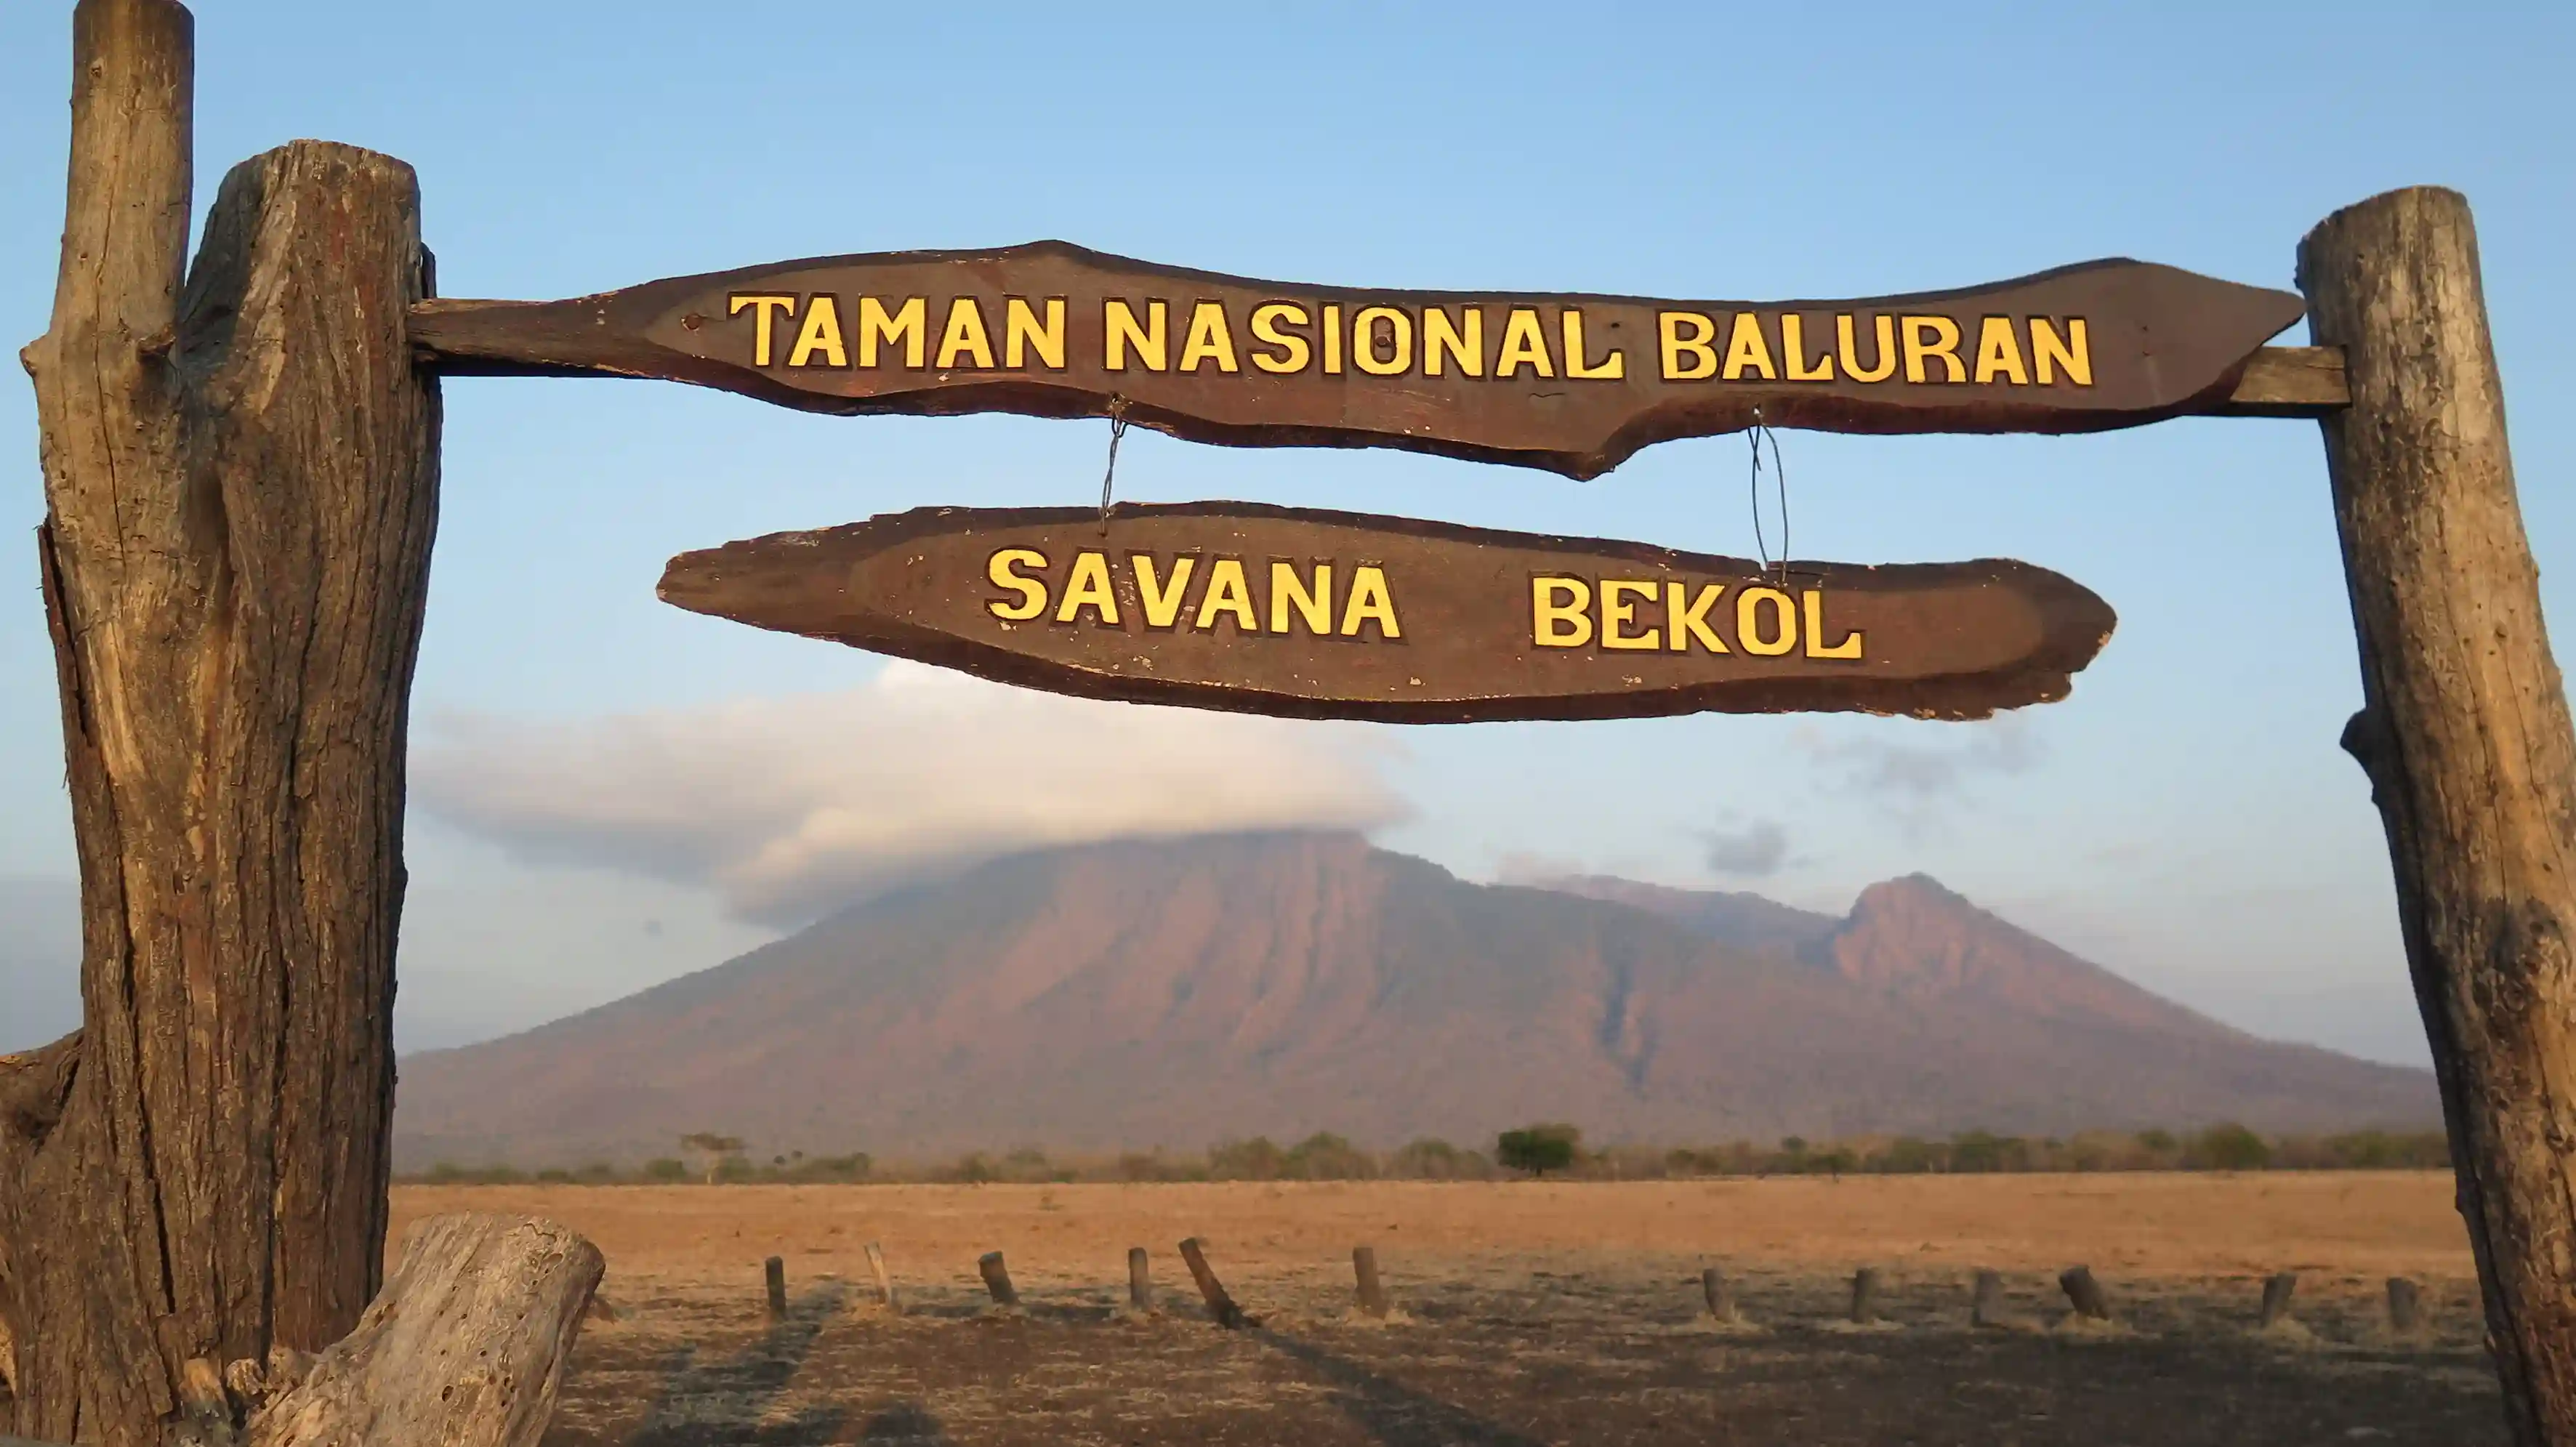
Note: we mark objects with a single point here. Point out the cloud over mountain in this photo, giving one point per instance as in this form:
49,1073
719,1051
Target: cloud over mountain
790,807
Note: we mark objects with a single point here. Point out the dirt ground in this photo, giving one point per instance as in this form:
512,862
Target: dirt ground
1526,1313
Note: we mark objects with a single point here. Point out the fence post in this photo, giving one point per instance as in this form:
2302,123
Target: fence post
1220,1306
997,1279
1372,1295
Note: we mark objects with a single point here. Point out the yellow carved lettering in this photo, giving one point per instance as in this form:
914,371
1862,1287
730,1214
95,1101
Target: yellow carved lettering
1747,350
1227,592
1685,623
1555,624
1364,335
2071,352
1524,344
1149,338
1610,369
764,316
964,336
1616,610
1930,337
1816,646
821,335
1370,602
1463,340
1293,354
1088,588
1784,618
1316,607
1023,333
1162,604
1999,352
1703,357
1210,339
1002,569
905,325
1793,351
1884,356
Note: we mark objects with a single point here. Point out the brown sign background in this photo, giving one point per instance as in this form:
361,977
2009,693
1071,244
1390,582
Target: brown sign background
1570,383
1343,615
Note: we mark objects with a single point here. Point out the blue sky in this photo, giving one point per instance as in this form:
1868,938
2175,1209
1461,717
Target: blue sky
2184,818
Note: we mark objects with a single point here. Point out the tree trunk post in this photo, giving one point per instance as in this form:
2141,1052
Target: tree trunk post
2277,1291
1719,1293
2464,733
2084,1293
1140,1280
773,1274
1864,1296
997,1279
885,1283
2405,1306
1221,1307
1986,1300
1372,1292
241,484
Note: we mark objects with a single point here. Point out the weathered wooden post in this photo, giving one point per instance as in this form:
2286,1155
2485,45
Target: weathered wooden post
885,1283
2277,1290
1372,1292
2084,1293
1719,1293
241,482
1986,1300
997,1279
1864,1296
2405,1306
774,1275
2464,733
1140,1280
1221,1307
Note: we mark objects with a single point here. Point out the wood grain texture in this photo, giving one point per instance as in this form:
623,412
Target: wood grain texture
465,1348
2289,382
2161,343
2464,732
1958,640
240,483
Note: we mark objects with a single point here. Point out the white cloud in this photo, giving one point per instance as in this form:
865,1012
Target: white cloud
790,807
1758,850
1912,782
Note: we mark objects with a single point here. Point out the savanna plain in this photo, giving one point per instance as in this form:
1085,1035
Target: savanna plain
1523,1313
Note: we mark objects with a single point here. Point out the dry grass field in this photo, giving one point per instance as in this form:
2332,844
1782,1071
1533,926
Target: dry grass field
1526,1313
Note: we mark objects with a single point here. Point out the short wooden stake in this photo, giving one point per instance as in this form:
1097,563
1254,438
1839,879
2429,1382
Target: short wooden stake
1140,1280
2086,1293
885,1283
1864,1296
2405,1305
1986,1303
1372,1293
1720,1295
776,1271
997,1279
2276,1297
1221,1307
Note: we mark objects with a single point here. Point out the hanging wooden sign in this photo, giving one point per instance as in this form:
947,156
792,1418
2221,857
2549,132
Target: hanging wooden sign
1313,614
1574,384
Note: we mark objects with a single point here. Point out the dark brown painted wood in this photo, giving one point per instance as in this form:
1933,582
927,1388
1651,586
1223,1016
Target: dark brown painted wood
1952,641
2464,733
1356,367
241,482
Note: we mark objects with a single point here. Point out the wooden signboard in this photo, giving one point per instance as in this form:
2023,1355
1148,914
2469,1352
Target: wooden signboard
1570,383
1314,614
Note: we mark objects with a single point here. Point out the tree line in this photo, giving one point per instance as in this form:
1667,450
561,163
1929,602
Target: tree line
1546,1150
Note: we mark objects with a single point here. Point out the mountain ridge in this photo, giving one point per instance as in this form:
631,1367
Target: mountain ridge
1173,993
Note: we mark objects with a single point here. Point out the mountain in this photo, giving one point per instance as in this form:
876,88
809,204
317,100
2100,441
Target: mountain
40,948
1177,993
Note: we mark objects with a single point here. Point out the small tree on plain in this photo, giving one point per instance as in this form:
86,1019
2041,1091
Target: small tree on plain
713,1149
1539,1149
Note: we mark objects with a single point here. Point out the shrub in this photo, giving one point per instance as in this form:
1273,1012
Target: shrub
1258,1159
2231,1147
1433,1159
664,1168
1324,1156
1539,1149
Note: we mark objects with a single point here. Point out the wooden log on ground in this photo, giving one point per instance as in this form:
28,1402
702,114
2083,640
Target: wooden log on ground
2405,1306
2465,735
997,1279
1140,1280
1372,1293
1221,1307
774,1274
885,1282
1986,1300
1719,1293
2084,1293
1864,1296
465,1347
2277,1290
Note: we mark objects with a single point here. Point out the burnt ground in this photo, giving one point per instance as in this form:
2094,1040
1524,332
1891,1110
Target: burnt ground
1497,1354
